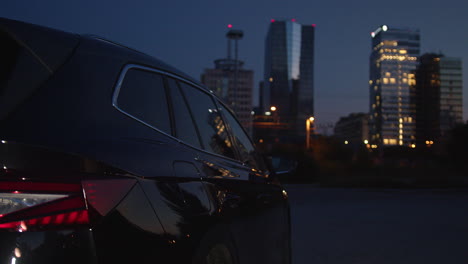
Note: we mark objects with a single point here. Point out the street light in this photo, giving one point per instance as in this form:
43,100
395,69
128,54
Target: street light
274,110
309,122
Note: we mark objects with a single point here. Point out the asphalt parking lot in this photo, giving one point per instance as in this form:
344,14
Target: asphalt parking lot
380,226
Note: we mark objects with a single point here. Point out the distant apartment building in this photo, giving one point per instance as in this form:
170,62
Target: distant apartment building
288,83
394,57
353,129
437,96
232,83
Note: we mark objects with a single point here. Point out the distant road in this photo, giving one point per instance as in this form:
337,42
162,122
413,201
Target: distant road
361,226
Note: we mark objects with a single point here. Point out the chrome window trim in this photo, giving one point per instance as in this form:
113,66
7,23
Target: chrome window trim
164,73
117,92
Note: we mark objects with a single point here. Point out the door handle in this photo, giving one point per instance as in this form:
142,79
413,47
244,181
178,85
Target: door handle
219,171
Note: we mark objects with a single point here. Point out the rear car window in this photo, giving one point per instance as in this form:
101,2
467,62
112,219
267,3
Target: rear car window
185,129
142,96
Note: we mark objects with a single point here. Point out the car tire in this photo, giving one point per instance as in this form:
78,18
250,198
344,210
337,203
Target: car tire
216,248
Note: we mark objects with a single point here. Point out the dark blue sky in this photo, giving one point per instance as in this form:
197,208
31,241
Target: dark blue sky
191,34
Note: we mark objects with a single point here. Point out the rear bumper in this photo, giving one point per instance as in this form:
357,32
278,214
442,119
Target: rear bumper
64,246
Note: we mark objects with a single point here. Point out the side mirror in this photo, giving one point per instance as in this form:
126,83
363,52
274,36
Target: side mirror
283,167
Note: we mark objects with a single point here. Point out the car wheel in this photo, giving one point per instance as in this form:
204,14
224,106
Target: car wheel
216,248
219,254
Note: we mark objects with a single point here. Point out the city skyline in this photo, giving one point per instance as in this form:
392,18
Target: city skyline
190,36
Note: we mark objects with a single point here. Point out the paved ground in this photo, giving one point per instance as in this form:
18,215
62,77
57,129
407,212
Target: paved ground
378,226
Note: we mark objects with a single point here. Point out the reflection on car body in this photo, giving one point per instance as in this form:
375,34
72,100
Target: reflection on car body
111,156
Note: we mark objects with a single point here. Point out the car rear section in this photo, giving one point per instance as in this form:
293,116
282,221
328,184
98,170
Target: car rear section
58,204
43,215
61,208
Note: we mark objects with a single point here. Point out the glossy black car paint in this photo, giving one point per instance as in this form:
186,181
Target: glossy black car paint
180,198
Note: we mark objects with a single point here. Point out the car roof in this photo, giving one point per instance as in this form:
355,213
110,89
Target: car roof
145,59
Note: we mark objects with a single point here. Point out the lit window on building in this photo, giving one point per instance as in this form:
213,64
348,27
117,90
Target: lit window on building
390,141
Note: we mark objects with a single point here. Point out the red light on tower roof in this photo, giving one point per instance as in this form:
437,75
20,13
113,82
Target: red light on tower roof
293,20
272,21
230,26
314,25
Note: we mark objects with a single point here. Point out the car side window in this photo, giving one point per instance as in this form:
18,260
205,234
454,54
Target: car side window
142,96
213,132
185,129
247,151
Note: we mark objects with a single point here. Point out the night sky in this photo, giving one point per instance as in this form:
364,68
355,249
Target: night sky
190,35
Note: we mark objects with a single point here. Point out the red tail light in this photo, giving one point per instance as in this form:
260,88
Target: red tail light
26,206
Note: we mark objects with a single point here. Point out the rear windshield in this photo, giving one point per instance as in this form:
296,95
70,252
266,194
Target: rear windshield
20,74
29,55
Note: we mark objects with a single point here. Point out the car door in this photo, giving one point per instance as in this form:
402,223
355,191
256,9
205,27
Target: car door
269,218
252,209
170,179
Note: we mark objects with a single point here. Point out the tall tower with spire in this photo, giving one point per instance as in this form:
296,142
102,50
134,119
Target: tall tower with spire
231,82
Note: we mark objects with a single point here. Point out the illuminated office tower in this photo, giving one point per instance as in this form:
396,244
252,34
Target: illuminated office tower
393,59
289,72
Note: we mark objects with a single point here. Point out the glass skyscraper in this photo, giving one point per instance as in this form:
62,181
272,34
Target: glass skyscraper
451,93
393,59
289,72
438,97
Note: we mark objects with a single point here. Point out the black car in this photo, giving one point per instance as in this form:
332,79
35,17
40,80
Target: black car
111,156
